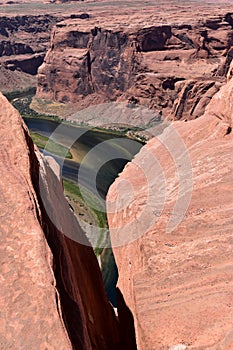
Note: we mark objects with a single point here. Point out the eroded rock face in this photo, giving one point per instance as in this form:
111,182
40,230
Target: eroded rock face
23,44
30,314
52,294
177,277
175,67
90,61
32,32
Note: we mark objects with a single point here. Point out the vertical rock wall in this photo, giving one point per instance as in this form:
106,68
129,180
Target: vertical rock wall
52,293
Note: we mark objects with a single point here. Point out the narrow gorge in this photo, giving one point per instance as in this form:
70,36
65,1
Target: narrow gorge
52,285
158,74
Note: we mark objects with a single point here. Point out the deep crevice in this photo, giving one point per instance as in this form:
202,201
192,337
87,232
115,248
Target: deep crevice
70,313
118,335
229,130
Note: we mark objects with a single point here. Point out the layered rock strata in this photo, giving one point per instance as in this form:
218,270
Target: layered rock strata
171,210
24,41
174,66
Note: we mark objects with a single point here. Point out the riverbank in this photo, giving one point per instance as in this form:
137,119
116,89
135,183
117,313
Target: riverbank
43,142
24,102
120,118
41,126
85,191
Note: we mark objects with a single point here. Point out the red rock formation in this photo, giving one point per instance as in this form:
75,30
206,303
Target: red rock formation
52,294
86,61
23,43
176,272
175,67
30,313
26,33
24,63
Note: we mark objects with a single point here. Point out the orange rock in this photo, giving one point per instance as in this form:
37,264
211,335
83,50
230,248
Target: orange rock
52,294
174,64
176,271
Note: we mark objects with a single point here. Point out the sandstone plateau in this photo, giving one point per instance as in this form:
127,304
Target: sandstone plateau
52,294
171,62
172,207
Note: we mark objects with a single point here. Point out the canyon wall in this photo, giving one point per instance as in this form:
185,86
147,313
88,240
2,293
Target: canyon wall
52,293
86,61
24,41
170,217
173,65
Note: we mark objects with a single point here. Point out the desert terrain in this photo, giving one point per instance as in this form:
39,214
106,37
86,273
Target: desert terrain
155,73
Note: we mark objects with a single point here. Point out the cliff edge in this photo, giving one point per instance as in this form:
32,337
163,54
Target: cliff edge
171,62
171,209
52,294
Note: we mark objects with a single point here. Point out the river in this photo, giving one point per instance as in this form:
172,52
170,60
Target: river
99,157
102,155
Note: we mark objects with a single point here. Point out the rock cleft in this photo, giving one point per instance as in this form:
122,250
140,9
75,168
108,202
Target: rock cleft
52,293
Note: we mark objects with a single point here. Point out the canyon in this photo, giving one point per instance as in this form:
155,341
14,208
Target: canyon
169,211
24,41
52,293
170,65
161,56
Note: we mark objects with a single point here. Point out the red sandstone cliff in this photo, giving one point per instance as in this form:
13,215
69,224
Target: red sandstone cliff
24,41
52,294
175,64
179,283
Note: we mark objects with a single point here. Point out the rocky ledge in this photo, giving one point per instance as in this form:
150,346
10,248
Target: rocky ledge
24,41
173,64
170,216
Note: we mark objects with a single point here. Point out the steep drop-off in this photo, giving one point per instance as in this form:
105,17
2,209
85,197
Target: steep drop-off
52,293
174,66
172,206
24,41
